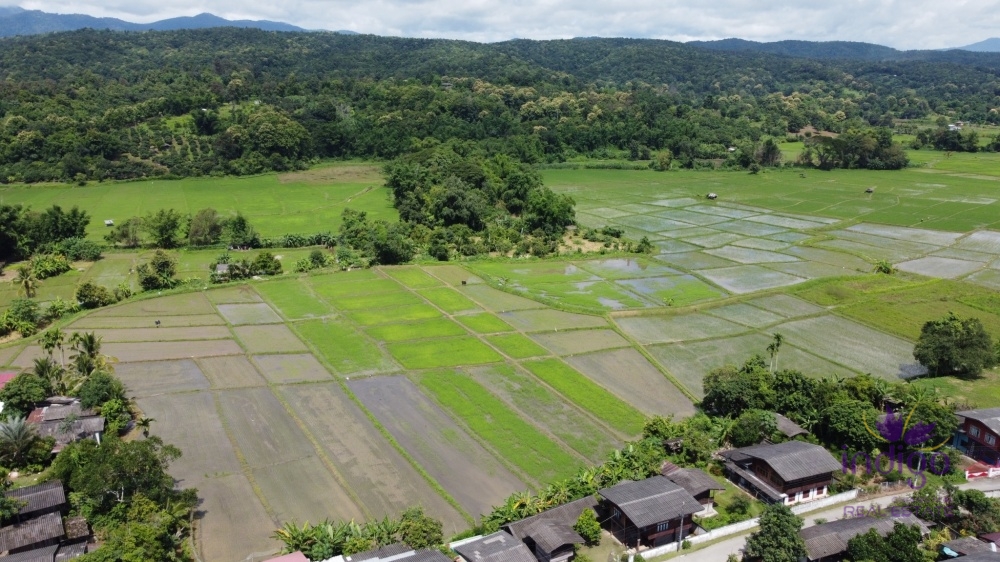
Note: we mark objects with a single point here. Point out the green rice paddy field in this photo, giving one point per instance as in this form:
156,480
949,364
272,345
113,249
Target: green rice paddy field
453,385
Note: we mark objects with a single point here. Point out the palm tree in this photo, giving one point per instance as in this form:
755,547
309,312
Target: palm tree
773,349
26,281
16,437
62,382
144,423
88,356
52,340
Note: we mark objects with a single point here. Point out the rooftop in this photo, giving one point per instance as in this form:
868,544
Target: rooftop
651,501
788,428
552,528
40,496
830,539
498,547
792,460
968,545
990,417
32,531
694,480
47,554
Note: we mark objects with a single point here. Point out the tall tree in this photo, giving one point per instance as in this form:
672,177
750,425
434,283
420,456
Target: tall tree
777,539
955,346
163,228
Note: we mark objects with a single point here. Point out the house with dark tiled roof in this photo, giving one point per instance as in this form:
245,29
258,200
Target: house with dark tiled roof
65,420
989,556
696,482
48,497
978,435
39,532
650,512
789,472
828,542
497,547
550,534
964,546
54,553
788,428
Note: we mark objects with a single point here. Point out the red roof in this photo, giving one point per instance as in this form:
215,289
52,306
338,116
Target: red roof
5,377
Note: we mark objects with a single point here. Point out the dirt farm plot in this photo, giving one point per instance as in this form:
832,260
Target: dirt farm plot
498,301
261,427
164,334
92,322
179,416
628,374
8,354
291,368
156,351
232,521
231,371
257,313
384,482
689,362
861,348
548,319
579,341
269,338
461,465
174,305
304,490
745,314
152,378
665,329
233,295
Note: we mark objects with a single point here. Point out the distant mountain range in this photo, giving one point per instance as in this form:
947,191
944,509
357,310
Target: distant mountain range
991,45
18,21
833,49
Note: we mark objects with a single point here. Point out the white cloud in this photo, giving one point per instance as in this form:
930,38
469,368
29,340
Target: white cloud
912,24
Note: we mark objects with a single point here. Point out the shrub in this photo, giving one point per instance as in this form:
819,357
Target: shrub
158,273
21,393
49,265
588,527
59,308
80,249
265,264
100,388
91,296
24,311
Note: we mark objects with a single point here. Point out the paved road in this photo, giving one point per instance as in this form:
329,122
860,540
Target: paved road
719,551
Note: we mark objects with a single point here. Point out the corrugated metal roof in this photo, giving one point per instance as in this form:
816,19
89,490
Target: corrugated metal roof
71,551
788,428
830,539
968,545
47,554
40,496
982,557
651,501
694,480
565,514
379,553
498,547
550,537
990,417
32,531
397,552
792,460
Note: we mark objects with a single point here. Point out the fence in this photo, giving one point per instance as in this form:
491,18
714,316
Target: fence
748,524
991,472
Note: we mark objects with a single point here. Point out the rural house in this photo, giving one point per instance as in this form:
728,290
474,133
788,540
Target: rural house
650,512
39,532
695,482
964,546
828,542
65,420
497,547
550,534
789,472
978,435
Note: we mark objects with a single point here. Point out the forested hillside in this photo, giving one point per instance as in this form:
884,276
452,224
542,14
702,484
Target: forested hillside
93,105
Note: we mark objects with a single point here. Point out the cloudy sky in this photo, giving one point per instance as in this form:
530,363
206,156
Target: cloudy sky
904,24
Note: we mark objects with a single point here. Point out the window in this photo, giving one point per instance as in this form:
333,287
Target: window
974,431
990,440
662,526
616,513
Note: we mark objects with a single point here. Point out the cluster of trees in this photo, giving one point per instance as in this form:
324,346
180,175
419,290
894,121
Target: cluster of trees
25,316
168,228
839,412
92,105
328,539
956,346
871,148
24,232
263,263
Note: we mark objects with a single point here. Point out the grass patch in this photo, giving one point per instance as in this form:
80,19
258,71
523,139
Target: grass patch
378,300
343,347
434,328
517,345
294,299
588,395
450,352
978,392
449,300
484,323
412,277
514,439
408,313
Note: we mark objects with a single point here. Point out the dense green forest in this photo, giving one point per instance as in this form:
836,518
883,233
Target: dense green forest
95,105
